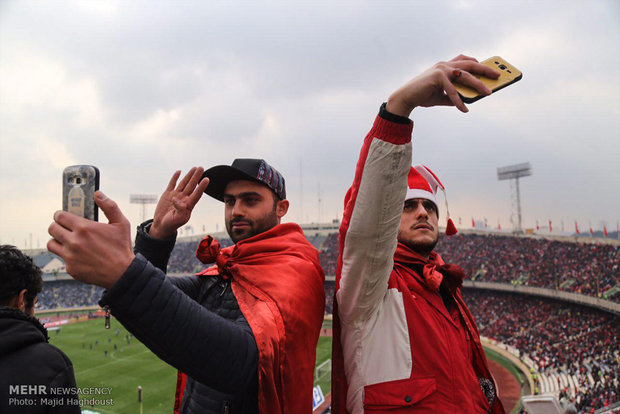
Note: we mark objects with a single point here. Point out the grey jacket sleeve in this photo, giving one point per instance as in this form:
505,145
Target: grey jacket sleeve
212,350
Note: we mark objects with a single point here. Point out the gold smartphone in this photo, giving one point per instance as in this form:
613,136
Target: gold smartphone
508,75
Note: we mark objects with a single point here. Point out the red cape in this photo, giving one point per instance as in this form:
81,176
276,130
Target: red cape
278,282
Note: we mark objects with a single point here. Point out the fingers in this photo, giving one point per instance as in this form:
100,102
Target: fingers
198,192
54,246
444,74
60,233
196,176
453,95
189,181
109,208
173,180
476,68
185,179
470,80
66,219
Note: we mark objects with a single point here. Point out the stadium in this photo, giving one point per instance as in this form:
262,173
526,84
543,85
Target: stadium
547,307
141,89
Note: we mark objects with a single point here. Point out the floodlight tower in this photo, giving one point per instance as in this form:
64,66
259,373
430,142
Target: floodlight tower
514,172
143,199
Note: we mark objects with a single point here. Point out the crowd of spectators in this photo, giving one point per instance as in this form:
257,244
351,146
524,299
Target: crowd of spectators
330,290
558,337
589,269
68,294
329,254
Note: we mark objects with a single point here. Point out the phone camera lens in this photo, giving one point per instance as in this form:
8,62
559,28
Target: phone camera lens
502,67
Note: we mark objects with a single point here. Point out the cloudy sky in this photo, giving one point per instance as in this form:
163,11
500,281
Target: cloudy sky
141,89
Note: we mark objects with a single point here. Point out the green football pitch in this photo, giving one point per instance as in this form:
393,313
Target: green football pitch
114,360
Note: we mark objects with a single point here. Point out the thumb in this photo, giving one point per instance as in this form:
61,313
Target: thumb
109,208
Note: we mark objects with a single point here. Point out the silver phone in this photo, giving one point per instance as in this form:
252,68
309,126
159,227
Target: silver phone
79,183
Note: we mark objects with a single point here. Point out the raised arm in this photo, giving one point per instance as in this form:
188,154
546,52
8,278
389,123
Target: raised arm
373,208
371,218
169,322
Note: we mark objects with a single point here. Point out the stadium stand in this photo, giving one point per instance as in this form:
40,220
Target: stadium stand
586,268
572,350
68,294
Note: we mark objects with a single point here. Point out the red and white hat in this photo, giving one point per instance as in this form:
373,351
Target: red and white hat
423,183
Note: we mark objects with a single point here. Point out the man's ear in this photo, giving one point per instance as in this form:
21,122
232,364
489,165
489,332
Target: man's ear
281,208
20,301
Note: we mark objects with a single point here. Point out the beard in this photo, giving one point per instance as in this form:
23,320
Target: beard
420,247
267,222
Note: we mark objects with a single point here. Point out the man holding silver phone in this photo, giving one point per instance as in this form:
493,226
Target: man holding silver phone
229,328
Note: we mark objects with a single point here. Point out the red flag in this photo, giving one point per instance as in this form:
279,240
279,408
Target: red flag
537,226
485,223
550,227
591,232
499,226
577,227
473,223
605,230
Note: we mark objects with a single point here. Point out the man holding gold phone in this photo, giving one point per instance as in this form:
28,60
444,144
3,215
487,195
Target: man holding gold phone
404,340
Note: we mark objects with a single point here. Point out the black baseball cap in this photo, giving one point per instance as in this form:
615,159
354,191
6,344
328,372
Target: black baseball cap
250,169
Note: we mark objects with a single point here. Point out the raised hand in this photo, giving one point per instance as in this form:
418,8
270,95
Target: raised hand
435,87
96,253
175,205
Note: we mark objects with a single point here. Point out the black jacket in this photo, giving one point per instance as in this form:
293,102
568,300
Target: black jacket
193,324
30,368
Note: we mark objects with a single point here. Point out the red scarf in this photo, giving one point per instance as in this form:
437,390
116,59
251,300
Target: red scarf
435,271
278,282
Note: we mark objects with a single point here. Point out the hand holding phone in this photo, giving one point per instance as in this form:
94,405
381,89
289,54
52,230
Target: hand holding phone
79,183
508,75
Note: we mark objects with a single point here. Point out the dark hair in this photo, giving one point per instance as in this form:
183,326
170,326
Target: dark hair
18,272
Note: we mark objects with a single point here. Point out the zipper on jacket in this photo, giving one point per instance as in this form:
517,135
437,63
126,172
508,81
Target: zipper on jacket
225,283
106,309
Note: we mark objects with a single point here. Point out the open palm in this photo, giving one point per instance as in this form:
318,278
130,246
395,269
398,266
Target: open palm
175,205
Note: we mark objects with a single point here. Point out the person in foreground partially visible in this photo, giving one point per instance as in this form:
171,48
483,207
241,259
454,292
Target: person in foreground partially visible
243,332
30,367
404,340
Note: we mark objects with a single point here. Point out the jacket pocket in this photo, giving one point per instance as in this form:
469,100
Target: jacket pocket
396,394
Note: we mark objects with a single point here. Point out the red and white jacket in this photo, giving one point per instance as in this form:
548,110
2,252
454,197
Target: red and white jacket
397,348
